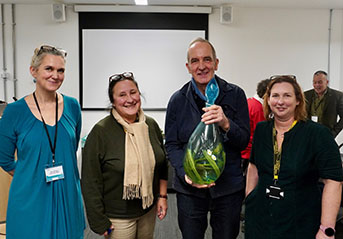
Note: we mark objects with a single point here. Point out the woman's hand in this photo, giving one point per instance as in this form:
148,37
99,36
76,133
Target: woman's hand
215,114
108,231
11,172
252,179
190,182
331,201
162,204
162,207
321,235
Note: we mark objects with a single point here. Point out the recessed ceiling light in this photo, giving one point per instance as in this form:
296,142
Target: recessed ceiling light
141,2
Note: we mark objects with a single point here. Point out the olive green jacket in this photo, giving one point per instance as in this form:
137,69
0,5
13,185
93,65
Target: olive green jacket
333,107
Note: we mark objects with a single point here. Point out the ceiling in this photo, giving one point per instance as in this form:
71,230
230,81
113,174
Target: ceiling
327,4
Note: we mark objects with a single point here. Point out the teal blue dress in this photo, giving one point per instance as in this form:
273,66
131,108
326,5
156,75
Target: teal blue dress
38,209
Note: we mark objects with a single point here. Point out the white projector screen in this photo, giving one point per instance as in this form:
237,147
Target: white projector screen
156,57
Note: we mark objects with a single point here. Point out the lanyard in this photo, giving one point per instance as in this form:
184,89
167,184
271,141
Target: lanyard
53,148
277,154
319,103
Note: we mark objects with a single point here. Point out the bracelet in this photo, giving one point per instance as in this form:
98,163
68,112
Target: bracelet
163,196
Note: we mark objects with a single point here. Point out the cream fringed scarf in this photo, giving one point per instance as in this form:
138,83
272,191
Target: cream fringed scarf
139,160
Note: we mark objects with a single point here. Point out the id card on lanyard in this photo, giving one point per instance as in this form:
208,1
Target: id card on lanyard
274,191
53,172
314,118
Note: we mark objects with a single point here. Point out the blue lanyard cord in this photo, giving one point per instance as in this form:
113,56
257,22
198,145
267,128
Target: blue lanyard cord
53,148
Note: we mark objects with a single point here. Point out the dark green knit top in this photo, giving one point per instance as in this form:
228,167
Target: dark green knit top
309,152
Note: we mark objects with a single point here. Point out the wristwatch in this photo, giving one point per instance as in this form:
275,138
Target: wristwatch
328,231
165,196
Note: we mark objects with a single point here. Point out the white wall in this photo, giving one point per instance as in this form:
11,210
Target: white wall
263,41
259,43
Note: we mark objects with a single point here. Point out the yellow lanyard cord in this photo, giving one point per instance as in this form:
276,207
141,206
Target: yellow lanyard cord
277,153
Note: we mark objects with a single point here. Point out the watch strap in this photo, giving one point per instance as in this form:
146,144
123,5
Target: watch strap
328,231
163,196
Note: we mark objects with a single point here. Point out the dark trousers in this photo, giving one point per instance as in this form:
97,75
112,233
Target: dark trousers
224,215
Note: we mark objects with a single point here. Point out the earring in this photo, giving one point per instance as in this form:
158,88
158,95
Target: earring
271,115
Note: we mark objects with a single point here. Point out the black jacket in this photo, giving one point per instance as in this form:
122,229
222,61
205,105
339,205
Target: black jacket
183,116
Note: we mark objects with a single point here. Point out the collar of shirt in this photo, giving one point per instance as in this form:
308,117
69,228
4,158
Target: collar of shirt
320,97
258,98
197,91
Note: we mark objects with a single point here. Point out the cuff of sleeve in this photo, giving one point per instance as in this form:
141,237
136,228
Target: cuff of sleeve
9,167
180,172
101,228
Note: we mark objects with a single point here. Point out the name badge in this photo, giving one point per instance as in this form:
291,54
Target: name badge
314,118
275,192
54,173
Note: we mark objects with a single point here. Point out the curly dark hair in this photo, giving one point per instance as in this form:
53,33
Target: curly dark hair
262,87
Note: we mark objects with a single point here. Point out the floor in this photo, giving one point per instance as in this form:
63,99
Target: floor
165,229
168,228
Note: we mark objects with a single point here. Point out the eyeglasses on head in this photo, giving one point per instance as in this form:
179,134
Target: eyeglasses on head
51,49
292,77
117,77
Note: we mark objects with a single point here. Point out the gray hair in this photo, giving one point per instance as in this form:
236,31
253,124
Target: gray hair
200,39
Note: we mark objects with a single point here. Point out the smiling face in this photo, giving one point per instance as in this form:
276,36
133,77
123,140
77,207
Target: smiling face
201,64
320,83
126,100
50,73
282,101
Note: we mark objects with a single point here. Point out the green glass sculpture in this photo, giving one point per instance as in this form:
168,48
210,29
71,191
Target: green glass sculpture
204,159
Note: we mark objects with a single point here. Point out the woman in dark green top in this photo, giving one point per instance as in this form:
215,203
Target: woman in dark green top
289,156
124,167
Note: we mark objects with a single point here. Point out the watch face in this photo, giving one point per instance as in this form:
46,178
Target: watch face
329,232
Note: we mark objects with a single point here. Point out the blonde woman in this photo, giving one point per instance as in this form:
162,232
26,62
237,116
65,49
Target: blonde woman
44,127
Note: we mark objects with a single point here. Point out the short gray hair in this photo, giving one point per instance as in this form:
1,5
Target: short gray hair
200,39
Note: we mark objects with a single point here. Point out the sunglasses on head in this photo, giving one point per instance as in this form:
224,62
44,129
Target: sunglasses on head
117,77
51,49
293,77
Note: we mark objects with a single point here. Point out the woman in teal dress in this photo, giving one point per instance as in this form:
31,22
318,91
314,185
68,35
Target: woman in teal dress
289,155
44,128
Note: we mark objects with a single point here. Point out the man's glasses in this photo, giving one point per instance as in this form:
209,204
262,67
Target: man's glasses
117,77
51,49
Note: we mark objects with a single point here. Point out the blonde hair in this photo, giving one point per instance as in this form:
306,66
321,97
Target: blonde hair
40,52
